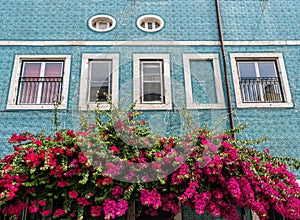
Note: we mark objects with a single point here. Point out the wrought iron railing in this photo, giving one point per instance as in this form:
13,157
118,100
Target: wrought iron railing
39,90
261,89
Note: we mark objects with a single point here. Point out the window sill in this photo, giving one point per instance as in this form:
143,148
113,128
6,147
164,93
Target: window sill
34,107
153,106
206,106
93,105
266,105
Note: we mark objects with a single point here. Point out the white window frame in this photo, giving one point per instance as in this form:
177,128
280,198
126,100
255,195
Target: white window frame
150,19
188,81
137,93
85,81
278,58
13,91
103,19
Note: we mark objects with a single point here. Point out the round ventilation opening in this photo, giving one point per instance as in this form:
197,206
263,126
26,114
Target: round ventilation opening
150,23
102,23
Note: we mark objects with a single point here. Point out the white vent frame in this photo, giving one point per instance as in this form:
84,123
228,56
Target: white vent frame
102,17
148,18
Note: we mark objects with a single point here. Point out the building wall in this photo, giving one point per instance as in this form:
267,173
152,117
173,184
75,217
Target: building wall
47,27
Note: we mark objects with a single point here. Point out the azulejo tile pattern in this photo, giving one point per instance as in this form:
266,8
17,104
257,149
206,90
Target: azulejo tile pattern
192,20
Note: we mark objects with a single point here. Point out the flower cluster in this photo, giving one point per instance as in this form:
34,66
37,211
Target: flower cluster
76,175
150,198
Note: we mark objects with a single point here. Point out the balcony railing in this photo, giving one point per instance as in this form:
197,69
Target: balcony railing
39,90
259,89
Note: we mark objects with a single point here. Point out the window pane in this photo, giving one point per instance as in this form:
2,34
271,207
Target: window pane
51,85
203,81
267,69
51,88
100,82
151,68
251,90
151,72
53,70
31,69
100,91
152,92
29,83
28,91
100,70
102,25
246,69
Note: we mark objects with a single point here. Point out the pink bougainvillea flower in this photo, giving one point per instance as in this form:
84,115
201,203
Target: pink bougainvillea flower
71,133
37,142
59,136
46,212
114,149
119,124
73,194
96,211
42,202
83,201
92,125
62,183
82,158
83,133
33,209
59,212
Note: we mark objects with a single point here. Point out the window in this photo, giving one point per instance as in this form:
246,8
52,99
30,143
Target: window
99,79
203,84
102,23
152,87
37,81
260,80
150,23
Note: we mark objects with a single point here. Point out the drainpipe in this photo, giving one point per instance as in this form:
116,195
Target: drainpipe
225,67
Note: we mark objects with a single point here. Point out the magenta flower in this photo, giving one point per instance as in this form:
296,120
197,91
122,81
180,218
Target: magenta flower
59,212
73,194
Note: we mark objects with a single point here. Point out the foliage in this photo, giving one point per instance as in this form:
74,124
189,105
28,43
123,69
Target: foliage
104,168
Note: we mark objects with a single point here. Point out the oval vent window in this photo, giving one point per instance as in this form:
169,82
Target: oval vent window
150,23
102,23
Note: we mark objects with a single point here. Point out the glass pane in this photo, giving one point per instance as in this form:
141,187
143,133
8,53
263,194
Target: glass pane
150,25
53,70
203,81
50,89
151,68
100,81
152,92
31,69
102,25
246,69
28,92
267,69
251,90
29,86
100,91
272,93
100,71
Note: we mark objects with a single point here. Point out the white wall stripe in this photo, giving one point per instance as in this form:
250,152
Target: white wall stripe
149,43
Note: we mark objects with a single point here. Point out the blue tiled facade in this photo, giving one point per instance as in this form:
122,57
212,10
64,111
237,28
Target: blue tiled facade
249,26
